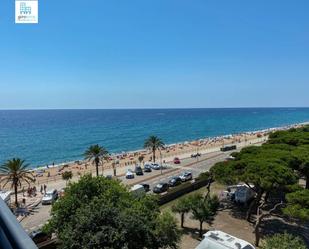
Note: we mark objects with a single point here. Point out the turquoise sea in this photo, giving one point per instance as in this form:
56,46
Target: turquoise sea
45,136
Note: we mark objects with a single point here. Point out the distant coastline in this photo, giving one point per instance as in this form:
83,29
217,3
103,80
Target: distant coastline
61,136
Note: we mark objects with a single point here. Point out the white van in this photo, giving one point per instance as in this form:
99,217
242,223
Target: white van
138,190
221,240
241,193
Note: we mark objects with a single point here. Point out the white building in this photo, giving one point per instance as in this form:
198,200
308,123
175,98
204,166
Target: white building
221,240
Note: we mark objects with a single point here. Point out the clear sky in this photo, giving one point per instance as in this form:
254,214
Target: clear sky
156,53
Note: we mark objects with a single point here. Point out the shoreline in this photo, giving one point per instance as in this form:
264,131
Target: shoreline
196,142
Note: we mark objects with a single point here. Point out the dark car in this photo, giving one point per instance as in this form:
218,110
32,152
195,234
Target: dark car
176,160
39,236
174,181
138,171
160,188
195,155
147,168
146,187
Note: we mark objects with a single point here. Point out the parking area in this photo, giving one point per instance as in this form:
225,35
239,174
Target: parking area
41,213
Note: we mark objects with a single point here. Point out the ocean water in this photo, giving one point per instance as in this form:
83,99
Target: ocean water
45,136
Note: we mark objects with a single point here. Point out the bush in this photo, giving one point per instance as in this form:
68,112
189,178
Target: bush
283,241
100,213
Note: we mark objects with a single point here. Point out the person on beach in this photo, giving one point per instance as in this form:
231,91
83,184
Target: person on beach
41,190
45,187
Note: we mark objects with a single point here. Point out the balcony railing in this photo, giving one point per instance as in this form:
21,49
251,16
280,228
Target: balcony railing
12,235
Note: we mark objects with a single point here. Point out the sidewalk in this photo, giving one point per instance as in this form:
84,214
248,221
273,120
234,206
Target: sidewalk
30,203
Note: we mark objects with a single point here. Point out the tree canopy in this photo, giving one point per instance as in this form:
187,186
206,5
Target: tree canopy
298,204
15,172
101,213
283,241
153,143
97,154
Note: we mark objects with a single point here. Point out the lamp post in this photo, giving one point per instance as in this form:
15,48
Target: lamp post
160,160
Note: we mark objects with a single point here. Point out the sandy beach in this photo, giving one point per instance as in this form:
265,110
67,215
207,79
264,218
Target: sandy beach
121,162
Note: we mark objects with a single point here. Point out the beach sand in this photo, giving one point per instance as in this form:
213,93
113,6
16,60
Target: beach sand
125,160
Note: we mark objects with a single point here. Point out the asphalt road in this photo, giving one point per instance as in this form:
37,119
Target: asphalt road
41,213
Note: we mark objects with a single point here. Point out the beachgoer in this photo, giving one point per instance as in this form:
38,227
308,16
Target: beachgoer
41,190
45,187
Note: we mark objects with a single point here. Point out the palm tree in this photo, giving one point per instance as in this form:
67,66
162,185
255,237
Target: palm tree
16,171
153,143
141,159
96,153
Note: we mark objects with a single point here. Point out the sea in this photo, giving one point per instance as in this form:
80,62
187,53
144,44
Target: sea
44,137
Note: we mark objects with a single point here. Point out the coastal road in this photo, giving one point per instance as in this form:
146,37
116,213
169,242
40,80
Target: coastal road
195,166
41,213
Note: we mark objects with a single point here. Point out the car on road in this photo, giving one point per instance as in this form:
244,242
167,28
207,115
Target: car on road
38,236
160,188
147,168
139,171
155,166
175,181
50,197
146,187
195,155
176,160
186,176
129,174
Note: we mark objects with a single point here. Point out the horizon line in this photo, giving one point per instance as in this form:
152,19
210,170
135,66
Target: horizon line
153,108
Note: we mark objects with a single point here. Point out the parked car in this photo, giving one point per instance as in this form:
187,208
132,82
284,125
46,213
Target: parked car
50,197
186,176
195,155
160,188
138,171
146,187
129,174
38,236
174,181
138,190
176,160
147,168
155,166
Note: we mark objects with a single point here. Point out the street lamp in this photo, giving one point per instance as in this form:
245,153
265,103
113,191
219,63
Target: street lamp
160,160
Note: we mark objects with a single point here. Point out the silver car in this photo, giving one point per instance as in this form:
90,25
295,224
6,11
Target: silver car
50,197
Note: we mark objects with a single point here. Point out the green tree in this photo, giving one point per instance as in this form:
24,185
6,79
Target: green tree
166,233
67,175
203,210
183,206
268,169
15,171
141,159
302,155
97,154
153,143
298,205
283,241
100,213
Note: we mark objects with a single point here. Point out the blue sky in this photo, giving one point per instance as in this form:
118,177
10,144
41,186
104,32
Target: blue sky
156,53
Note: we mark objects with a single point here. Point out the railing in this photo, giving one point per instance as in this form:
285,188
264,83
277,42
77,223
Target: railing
12,235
